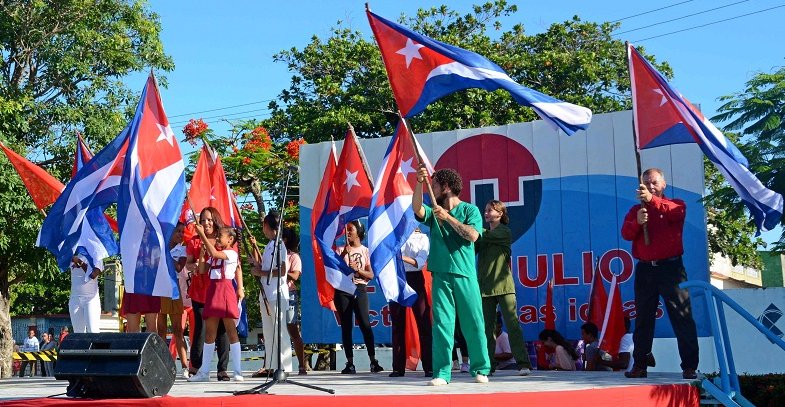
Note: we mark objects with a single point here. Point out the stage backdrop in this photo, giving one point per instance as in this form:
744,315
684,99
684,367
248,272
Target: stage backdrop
567,197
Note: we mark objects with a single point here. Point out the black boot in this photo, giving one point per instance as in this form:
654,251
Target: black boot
349,369
375,368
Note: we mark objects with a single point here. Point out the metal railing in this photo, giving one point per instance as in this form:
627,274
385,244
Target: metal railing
725,388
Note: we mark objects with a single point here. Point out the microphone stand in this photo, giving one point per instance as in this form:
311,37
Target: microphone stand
279,376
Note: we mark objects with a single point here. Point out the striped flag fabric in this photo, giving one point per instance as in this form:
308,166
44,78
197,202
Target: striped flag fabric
422,70
663,116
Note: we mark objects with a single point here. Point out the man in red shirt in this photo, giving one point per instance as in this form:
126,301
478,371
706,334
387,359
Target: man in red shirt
659,272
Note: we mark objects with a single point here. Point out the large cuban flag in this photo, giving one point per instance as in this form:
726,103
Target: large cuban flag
151,194
663,116
330,268
423,70
75,223
391,218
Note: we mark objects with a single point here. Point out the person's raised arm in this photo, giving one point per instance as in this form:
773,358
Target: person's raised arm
211,250
422,176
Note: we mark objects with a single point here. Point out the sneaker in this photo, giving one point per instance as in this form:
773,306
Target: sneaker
200,376
481,378
455,365
349,369
437,382
185,374
238,377
375,367
464,368
689,374
524,372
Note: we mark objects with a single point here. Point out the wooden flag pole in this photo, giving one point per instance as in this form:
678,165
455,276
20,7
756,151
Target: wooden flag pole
646,239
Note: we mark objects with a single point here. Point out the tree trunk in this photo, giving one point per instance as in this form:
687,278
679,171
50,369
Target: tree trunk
6,336
256,191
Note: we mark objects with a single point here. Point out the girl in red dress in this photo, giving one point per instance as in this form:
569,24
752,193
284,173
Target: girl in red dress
221,304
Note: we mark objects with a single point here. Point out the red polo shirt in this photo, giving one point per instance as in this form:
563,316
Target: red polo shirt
666,223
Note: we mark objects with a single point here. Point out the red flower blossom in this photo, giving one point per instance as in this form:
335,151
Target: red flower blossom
293,148
247,207
259,140
194,129
246,160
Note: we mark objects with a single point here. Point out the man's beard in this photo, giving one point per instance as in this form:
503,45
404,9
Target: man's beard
441,199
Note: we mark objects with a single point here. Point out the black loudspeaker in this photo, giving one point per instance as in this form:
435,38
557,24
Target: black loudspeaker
115,365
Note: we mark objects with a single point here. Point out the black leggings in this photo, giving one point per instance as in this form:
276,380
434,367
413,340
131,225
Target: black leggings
349,306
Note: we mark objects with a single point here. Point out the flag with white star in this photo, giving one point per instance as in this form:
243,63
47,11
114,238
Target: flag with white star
391,219
353,182
662,116
152,189
422,70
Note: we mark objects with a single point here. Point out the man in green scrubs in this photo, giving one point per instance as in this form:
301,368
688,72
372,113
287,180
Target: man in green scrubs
455,226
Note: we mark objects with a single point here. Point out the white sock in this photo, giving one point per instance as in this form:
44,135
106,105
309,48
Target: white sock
234,356
207,357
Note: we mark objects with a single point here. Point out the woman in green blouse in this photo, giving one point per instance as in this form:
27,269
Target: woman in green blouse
496,285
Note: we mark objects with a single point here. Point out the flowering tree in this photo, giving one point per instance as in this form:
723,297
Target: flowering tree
254,163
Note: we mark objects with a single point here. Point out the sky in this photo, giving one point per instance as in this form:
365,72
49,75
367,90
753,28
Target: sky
223,51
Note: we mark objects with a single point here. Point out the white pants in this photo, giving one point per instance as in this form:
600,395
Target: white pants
269,330
85,313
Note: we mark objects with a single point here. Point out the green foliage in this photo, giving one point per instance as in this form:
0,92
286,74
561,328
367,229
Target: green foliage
61,66
758,112
766,390
47,295
342,79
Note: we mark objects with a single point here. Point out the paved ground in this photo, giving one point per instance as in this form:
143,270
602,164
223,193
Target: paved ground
367,383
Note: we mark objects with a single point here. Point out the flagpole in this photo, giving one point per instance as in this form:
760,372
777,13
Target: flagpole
646,239
417,154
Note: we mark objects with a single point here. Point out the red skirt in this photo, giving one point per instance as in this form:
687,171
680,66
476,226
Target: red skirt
139,304
221,300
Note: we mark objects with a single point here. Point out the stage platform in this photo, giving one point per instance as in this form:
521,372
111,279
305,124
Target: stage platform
506,389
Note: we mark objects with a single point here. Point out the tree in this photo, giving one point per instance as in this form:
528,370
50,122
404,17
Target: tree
342,78
758,113
60,70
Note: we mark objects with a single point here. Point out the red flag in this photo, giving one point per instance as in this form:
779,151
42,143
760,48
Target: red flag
550,314
325,291
598,299
209,188
43,188
613,328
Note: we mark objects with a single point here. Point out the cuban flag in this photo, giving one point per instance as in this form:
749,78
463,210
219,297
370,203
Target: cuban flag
83,155
332,273
353,181
663,116
391,219
152,189
75,223
423,70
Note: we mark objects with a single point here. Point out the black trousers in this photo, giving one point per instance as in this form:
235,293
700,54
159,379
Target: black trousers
221,341
422,315
348,307
651,282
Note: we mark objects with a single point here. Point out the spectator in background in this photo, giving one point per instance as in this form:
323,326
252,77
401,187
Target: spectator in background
47,343
29,345
503,353
593,354
563,356
63,333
